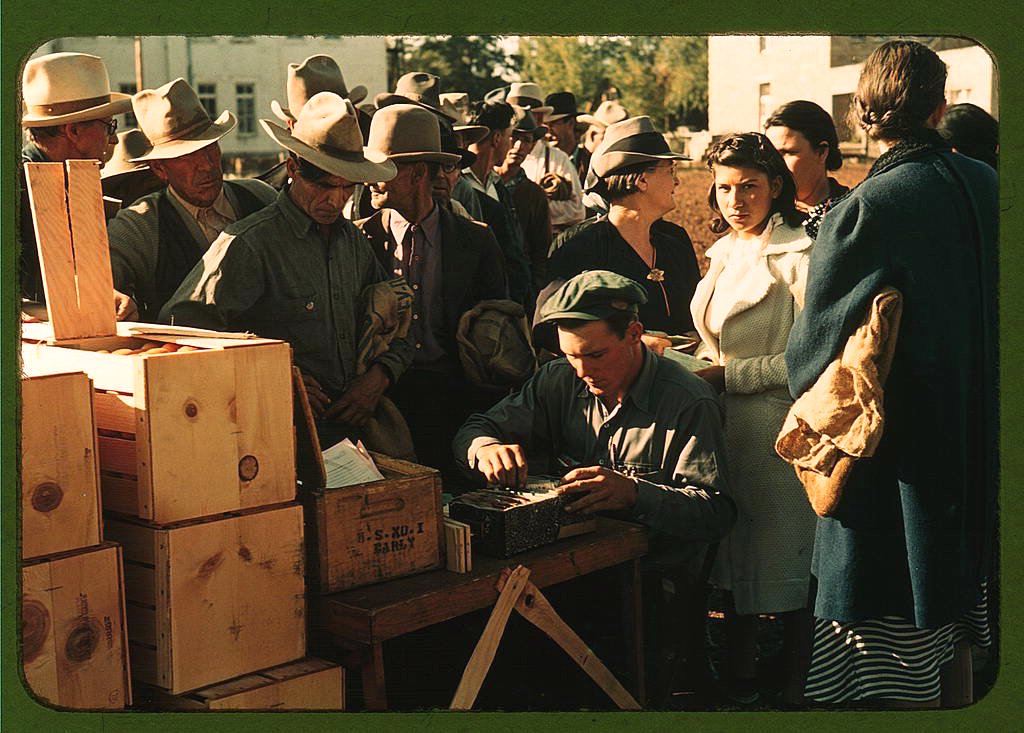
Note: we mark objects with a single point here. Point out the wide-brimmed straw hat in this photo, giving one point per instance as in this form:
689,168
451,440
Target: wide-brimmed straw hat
607,113
408,133
318,73
419,88
60,88
563,104
527,94
175,122
632,141
327,135
456,105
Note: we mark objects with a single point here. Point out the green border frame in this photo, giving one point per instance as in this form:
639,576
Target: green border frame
28,23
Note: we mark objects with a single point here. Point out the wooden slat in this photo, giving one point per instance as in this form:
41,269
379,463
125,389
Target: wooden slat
141,622
115,411
139,583
120,493
117,455
95,315
138,540
77,598
235,596
47,195
59,489
144,662
107,371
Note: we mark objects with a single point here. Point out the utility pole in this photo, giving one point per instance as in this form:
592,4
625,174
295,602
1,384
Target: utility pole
138,63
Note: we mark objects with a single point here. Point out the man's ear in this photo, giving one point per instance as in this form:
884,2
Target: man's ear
634,331
158,170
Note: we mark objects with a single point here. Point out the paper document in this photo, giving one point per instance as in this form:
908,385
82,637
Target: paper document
347,463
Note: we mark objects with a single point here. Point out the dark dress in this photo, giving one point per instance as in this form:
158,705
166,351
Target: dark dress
596,244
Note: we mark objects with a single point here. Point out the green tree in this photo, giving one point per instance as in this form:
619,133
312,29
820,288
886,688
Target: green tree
473,64
577,64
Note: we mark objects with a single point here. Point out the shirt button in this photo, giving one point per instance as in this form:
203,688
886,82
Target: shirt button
309,305
600,462
419,346
415,316
415,287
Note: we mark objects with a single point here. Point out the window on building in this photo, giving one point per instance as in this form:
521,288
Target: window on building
762,44
764,104
208,98
245,108
129,117
841,116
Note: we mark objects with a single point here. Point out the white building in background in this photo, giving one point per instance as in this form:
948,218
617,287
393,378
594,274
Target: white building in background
239,73
749,76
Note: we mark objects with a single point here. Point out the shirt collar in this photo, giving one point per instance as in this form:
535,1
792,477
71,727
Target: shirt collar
640,391
429,225
298,219
220,204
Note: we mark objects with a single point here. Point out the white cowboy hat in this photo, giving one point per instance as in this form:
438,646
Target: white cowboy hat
68,87
607,113
327,135
318,73
175,123
528,94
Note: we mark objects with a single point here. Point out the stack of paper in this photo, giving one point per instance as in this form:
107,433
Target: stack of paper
347,463
457,543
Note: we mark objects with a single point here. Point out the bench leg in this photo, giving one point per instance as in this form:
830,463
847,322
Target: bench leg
375,696
633,628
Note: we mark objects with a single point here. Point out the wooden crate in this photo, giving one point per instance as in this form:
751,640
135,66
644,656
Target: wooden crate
375,531
60,497
308,684
74,649
212,599
186,434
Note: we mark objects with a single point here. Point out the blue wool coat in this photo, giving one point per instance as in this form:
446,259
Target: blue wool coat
913,533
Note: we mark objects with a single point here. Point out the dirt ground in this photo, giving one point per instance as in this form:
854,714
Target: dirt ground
692,212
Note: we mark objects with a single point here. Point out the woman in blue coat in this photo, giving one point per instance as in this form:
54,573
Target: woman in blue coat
901,565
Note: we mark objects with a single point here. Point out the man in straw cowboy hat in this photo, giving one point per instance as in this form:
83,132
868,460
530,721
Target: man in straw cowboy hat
317,73
548,166
68,111
529,199
452,263
296,270
156,241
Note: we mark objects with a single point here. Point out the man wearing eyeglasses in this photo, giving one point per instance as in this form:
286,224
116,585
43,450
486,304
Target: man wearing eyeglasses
156,241
69,115
451,263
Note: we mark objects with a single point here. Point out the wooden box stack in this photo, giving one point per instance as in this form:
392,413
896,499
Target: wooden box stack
196,459
74,646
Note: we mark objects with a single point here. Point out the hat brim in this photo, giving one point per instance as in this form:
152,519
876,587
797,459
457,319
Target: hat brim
220,127
118,104
591,120
560,116
115,173
426,156
611,162
374,166
472,133
386,99
355,96
596,314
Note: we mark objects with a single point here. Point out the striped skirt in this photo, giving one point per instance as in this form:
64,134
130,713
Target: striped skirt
887,657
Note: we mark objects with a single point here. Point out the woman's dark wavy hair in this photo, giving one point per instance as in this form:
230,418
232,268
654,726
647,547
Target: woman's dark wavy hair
813,123
753,150
901,84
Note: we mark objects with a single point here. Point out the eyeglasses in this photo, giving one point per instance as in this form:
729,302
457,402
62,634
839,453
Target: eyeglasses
111,126
449,167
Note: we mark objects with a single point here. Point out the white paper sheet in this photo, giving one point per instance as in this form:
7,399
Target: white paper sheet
348,463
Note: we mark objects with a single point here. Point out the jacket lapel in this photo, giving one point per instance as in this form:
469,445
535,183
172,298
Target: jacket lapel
458,262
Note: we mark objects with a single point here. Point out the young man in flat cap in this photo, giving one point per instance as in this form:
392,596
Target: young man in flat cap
156,241
69,114
296,270
630,432
451,263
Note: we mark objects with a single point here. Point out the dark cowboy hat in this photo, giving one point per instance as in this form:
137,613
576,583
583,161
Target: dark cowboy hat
626,143
563,104
450,145
526,122
418,88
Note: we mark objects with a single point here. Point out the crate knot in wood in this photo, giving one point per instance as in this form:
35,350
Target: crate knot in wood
83,640
191,409
248,467
47,496
35,628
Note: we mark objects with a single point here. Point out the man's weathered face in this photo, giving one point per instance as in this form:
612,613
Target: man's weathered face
400,192
563,133
322,199
445,180
500,141
601,359
196,177
522,145
93,139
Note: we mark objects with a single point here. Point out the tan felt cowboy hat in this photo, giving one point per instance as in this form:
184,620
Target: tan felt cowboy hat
175,123
130,143
528,94
327,135
456,106
68,87
318,73
408,133
607,113
419,88
626,143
